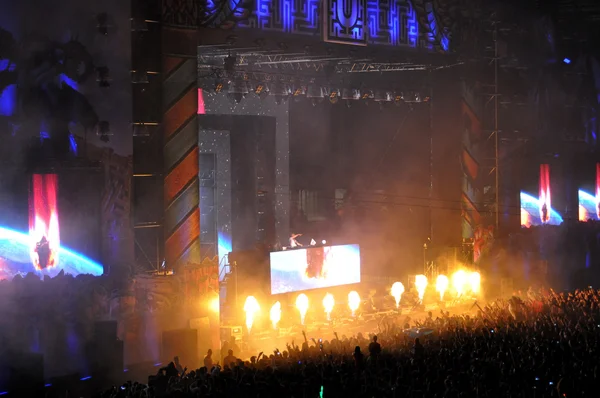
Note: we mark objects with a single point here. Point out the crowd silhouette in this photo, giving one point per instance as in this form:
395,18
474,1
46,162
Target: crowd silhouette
536,344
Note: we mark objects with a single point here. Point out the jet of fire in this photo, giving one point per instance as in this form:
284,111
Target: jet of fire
459,280
251,308
441,285
421,285
328,303
397,291
302,305
353,301
275,314
475,282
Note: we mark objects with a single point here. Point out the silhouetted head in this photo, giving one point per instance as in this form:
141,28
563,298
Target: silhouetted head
357,350
209,352
230,352
374,339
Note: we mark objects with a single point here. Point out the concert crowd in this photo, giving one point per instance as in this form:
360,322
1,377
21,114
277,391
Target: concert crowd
540,344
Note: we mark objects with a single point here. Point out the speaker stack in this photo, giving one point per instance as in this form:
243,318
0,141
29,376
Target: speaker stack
105,351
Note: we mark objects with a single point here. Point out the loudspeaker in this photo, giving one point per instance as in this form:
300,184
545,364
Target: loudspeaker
24,371
182,343
105,331
105,358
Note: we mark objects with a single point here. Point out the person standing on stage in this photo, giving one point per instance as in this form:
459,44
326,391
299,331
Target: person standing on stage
293,242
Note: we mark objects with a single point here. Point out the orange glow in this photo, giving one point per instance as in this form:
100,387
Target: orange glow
328,304
583,215
302,305
275,314
251,308
353,301
421,285
525,221
397,291
43,219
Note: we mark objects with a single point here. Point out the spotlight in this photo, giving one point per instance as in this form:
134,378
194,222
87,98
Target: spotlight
238,91
324,242
398,98
383,96
103,77
412,96
315,94
334,96
280,92
262,90
350,94
298,92
220,86
567,61
368,94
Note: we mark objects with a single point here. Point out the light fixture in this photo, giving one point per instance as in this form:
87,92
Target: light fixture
383,96
261,89
315,93
350,94
238,90
334,95
567,61
280,92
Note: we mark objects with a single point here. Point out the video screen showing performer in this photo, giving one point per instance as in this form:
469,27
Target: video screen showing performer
314,268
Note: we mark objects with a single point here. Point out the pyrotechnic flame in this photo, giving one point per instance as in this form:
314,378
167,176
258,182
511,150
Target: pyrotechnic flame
275,314
302,305
251,308
475,282
353,301
459,280
421,285
397,291
441,285
328,303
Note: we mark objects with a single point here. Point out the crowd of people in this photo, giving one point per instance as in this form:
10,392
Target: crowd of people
543,344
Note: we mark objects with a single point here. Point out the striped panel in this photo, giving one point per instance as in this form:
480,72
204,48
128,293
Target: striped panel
181,176
184,237
171,63
179,80
470,165
187,199
180,112
181,143
475,127
471,210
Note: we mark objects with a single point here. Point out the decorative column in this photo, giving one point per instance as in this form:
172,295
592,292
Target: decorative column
180,132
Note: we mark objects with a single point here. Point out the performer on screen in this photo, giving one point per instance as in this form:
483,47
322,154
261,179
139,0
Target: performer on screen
293,242
42,248
545,217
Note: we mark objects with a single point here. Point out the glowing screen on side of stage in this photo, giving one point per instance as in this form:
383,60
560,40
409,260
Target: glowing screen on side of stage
45,249
538,210
314,268
589,198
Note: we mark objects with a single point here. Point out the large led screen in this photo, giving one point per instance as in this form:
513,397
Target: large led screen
314,268
58,237
540,209
589,195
